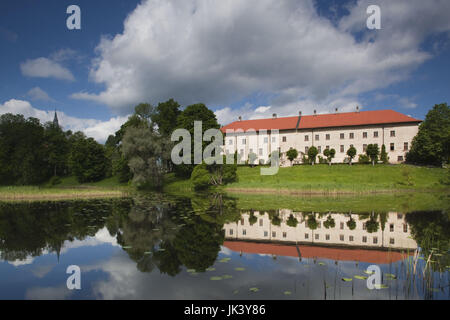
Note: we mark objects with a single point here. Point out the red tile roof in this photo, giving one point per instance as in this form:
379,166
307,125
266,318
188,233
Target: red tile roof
323,121
340,254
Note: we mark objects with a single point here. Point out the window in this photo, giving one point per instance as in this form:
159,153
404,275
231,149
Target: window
342,148
319,149
327,137
274,234
400,158
375,240
231,232
274,139
284,234
306,138
317,137
317,236
405,227
260,151
352,135
364,135
405,146
375,134
266,139
261,222
241,152
341,237
392,147
327,147
266,233
393,133
319,224
391,227
327,237
342,136
399,216
364,239
391,241
306,149
306,236
244,232
284,139
242,221
230,142
364,147
350,238
342,226
244,141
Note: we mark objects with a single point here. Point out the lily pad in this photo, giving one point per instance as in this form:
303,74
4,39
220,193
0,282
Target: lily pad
190,270
227,276
127,247
148,252
361,277
235,291
225,260
321,264
390,275
287,293
239,269
368,272
254,289
381,286
347,279
215,278
210,269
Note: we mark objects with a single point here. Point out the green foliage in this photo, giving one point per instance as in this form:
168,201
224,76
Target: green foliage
252,157
312,153
292,221
166,116
351,153
54,181
329,153
311,222
383,155
205,175
363,159
252,219
372,152
431,145
292,154
87,160
372,224
351,224
200,177
329,223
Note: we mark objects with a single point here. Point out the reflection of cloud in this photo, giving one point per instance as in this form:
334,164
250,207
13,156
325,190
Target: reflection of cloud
101,237
41,271
18,263
48,293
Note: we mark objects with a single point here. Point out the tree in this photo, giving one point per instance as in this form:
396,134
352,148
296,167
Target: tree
195,112
165,117
372,152
87,160
351,224
57,148
292,154
292,221
200,177
252,157
383,155
329,153
329,223
312,153
431,145
351,152
205,175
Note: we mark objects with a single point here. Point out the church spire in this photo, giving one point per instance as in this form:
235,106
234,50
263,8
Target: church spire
55,120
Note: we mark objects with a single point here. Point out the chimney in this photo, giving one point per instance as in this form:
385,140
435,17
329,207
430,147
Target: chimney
315,112
274,115
357,108
300,113
336,110
240,118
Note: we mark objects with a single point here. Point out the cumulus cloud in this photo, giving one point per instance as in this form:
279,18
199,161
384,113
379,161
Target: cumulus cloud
45,68
97,129
37,93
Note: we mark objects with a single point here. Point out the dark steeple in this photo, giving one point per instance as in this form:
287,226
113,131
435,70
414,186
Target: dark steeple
55,120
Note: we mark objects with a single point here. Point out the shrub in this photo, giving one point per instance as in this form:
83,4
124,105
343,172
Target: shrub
363,159
200,177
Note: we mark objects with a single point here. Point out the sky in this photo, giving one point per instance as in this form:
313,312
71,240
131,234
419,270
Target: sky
248,58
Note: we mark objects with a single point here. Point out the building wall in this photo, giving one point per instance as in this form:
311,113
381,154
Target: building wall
396,234
358,136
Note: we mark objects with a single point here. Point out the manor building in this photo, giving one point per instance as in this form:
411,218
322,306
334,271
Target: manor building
338,131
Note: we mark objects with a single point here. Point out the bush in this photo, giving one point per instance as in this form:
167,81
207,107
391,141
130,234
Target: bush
363,159
292,221
200,177
55,180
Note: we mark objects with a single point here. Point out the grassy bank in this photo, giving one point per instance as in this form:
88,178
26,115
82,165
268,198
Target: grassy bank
337,179
68,189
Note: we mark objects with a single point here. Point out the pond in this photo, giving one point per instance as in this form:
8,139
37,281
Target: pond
210,247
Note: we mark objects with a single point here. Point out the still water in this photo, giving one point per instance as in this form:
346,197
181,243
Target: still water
159,247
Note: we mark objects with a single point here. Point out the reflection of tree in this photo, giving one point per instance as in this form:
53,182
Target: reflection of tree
431,231
311,221
351,224
371,224
329,223
252,219
292,221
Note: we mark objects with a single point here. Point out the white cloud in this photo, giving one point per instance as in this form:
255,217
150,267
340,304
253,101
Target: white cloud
97,129
45,68
37,93
222,52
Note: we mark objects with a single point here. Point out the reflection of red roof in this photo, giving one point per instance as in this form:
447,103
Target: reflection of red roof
341,254
323,121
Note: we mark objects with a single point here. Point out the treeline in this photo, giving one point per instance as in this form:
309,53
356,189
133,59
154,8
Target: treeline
32,153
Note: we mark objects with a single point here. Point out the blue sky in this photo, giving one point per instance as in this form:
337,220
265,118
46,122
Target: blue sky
242,58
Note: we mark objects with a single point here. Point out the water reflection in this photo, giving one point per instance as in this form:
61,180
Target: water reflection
158,247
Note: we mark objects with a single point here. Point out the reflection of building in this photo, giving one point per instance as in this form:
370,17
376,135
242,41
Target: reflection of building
395,236
338,131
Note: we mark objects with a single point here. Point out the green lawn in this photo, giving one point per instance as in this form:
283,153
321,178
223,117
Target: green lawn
330,179
342,178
